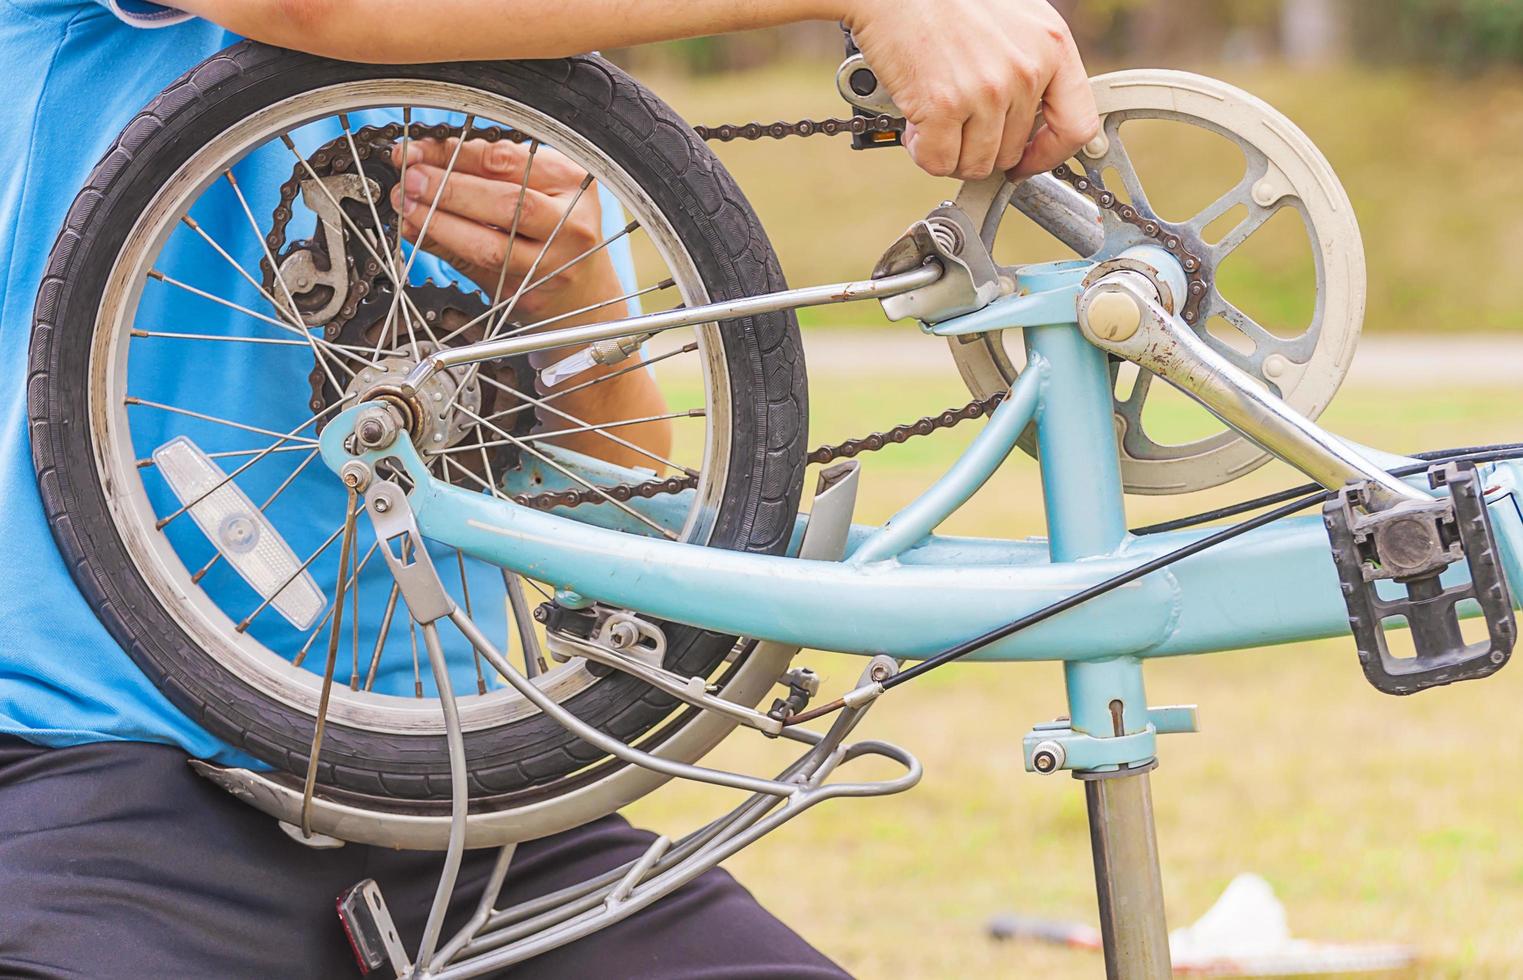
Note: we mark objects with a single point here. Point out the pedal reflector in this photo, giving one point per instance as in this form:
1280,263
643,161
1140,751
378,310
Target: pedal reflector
240,532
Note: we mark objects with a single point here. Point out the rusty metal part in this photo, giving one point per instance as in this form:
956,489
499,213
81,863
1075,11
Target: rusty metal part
367,307
873,442
1167,236
856,126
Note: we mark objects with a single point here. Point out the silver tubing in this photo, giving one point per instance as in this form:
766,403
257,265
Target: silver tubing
603,741
1164,345
484,908
459,798
1061,211
1134,932
651,323
523,623
513,935
690,690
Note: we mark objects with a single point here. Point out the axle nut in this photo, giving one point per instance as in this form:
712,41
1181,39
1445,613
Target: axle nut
1114,316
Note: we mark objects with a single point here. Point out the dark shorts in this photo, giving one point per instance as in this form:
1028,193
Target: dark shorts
117,861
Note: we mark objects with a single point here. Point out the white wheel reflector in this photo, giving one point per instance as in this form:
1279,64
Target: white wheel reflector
240,532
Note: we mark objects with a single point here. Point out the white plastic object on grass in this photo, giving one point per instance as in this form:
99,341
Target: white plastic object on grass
1245,934
240,532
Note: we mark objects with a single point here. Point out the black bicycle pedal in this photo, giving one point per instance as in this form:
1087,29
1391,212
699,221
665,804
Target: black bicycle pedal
370,930
1410,546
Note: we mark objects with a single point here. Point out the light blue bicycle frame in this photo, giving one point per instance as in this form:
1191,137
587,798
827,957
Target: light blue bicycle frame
908,593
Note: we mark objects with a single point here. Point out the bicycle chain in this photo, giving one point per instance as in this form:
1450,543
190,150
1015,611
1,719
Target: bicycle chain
334,158
1170,238
625,492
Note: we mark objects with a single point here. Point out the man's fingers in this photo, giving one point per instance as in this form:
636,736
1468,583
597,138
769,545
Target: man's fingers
502,160
981,136
471,246
935,144
493,202
1021,124
1070,120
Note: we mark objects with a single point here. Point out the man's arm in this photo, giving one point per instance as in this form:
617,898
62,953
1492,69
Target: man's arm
970,75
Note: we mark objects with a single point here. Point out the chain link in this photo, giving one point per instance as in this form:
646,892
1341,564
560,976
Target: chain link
1170,238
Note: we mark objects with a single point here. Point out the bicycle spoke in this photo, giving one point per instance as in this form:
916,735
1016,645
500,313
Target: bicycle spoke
311,455
433,207
354,159
239,308
412,633
148,464
621,505
555,232
193,225
169,335
280,439
601,304
280,279
518,212
600,428
360,237
646,362
381,636
465,594
133,400
564,266
505,307
582,425
306,645
243,626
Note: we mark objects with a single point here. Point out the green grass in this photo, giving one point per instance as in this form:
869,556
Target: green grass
1429,161
1374,818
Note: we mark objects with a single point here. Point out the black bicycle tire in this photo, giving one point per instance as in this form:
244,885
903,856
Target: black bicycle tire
686,182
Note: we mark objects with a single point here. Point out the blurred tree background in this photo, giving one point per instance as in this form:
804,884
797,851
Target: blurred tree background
1417,103
1461,35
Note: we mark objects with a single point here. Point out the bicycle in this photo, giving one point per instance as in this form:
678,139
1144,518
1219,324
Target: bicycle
677,591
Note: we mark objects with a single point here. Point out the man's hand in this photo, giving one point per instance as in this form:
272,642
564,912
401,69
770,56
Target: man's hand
971,77
533,231
496,227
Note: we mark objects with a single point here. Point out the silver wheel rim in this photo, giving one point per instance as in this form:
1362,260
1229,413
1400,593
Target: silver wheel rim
210,627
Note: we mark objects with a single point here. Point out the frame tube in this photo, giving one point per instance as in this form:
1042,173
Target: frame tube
652,323
973,468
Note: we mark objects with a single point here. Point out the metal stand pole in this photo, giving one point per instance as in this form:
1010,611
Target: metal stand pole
1081,483
1132,926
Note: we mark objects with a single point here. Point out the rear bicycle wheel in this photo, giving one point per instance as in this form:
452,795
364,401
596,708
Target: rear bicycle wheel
181,337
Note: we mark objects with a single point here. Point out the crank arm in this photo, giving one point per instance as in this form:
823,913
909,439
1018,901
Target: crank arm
654,323
1121,315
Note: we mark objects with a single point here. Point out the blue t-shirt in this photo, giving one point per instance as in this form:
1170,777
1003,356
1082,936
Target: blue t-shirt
79,72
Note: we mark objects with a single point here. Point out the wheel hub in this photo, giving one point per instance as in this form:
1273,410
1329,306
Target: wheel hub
444,409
